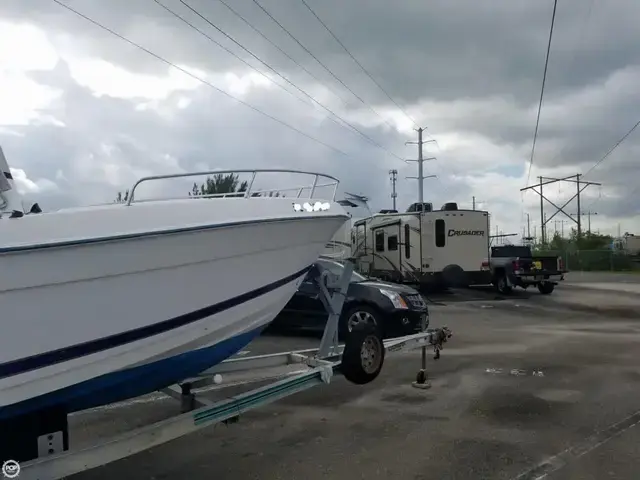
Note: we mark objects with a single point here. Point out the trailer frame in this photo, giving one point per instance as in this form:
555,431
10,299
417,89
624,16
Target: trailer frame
318,366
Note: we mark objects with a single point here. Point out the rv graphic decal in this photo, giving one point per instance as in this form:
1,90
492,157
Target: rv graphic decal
461,233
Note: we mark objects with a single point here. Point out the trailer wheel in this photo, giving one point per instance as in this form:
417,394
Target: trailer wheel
546,288
363,355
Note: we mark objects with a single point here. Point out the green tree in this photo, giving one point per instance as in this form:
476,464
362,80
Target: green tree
265,194
220,183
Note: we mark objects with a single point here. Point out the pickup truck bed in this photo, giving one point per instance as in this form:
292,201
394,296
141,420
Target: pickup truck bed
515,266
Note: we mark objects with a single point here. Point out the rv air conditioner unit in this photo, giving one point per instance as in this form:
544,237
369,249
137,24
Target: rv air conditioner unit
449,206
420,207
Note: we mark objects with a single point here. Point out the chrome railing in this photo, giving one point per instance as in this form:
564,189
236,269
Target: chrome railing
249,192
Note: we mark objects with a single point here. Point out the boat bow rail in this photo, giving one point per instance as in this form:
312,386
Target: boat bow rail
251,191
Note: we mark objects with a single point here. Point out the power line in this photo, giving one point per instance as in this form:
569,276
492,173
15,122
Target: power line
616,145
316,59
184,20
271,42
580,40
544,81
195,77
335,37
230,52
364,135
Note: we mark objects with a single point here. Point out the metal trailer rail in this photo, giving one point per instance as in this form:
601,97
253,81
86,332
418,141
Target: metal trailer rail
317,367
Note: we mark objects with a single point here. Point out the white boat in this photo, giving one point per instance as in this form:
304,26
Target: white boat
105,303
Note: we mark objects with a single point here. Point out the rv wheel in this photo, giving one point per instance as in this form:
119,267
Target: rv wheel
502,286
363,355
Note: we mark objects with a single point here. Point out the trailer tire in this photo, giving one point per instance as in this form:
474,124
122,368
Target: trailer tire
546,288
363,355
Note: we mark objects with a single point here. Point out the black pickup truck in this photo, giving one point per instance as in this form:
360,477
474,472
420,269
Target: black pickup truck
515,266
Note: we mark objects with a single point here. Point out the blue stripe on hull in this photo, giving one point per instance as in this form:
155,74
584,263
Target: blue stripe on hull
136,381
133,382
53,357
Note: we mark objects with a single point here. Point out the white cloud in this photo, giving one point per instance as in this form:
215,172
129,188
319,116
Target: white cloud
104,78
24,49
26,186
121,114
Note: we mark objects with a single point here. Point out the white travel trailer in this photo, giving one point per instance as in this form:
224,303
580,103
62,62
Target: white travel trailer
339,247
446,247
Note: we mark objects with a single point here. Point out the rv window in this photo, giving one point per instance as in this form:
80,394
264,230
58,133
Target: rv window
407,240
440,235
392,243
379,241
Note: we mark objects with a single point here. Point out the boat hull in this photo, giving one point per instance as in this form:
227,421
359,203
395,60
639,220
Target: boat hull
132,315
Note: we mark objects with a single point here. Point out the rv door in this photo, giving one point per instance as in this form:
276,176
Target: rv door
378,261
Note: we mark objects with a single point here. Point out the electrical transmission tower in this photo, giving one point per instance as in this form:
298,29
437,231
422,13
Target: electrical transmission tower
394,178
581,185
421,161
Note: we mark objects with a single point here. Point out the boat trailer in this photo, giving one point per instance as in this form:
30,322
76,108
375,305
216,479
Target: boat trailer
360,360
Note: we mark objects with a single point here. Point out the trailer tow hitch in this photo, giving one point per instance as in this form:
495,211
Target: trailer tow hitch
442,338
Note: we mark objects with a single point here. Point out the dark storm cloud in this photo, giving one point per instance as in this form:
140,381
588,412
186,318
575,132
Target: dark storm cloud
476,66
438,49
212,132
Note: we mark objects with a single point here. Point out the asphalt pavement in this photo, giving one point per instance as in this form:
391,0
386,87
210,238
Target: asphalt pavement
528,386
603,277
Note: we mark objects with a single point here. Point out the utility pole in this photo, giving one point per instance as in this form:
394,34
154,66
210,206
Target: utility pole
589,220
579,215
588,214
582,185
474,203
528,226
542,225
421,161
394,179
561,222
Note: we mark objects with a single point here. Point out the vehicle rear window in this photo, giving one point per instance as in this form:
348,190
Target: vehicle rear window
440,234
379,241
392,243
510,251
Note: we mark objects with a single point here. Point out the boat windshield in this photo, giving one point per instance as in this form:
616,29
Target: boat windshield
337,268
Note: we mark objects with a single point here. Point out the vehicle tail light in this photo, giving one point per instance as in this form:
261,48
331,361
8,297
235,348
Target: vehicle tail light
516,265
560,264
484,265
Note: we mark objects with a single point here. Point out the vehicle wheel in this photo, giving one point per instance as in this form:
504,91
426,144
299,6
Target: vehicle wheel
546,288
360,315
502,286
363,355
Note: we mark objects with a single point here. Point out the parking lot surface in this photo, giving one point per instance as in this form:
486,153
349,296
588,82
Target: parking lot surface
529,385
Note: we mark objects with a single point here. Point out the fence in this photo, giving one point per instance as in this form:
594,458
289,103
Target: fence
596,260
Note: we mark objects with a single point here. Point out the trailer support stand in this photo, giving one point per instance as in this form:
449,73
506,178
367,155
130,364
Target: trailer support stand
333,293
422,380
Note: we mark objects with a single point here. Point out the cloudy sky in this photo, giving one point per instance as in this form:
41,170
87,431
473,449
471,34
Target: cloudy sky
83,114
